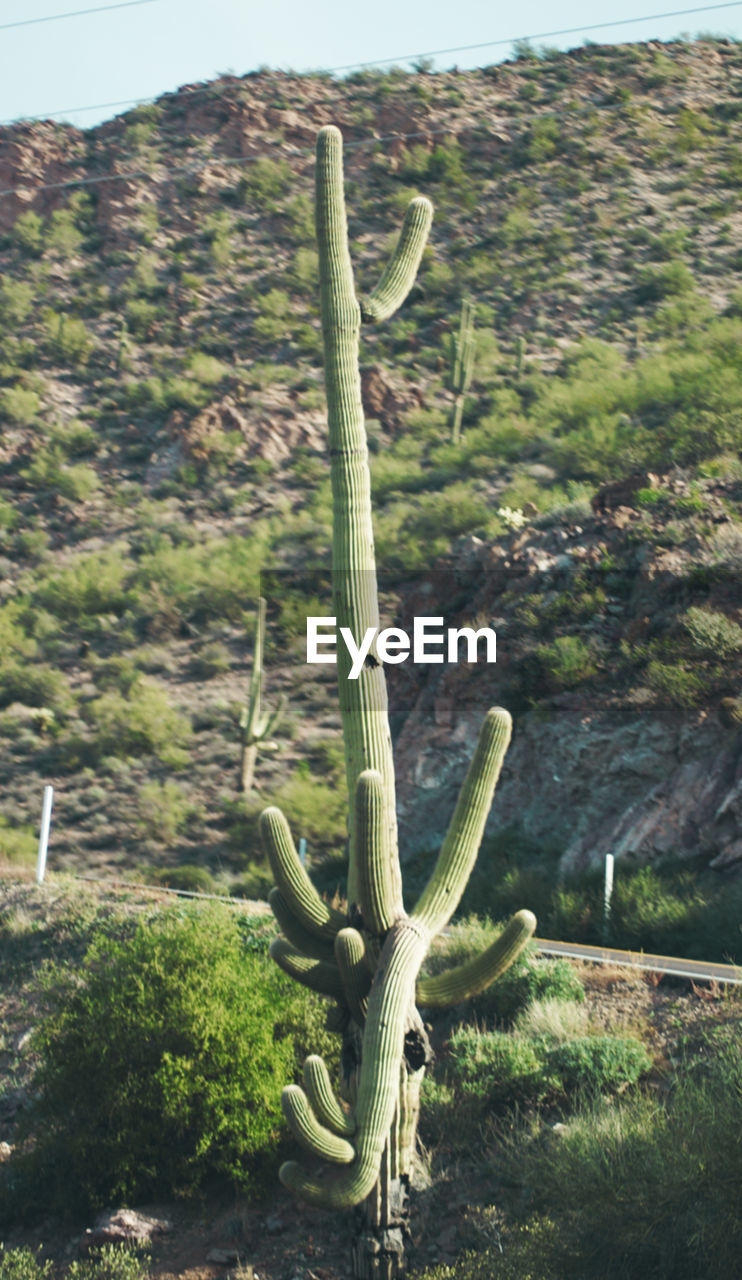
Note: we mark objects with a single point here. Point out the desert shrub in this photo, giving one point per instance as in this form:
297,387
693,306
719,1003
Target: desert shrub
712,632
27,233
20,405
499,1068
16,300
34,685
599,1064
49,470
142,722
89,585
188,878
674,684
164,809
566,662
656,1178
67,338
155,1072
495,1067
111,1262
18,846
529,979
212,659
666,280
23,1264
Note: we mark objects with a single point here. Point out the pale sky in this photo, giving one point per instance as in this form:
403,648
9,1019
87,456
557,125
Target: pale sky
55,69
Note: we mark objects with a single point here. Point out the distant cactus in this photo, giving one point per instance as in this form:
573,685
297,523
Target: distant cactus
254,726
368,959
462,366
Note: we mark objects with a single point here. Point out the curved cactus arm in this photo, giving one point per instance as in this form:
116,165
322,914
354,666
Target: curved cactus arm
317,975
399,274
442,894
391,999
302,939
350,954
379,878
321,1095
313,1136
269,722
291,878
468,979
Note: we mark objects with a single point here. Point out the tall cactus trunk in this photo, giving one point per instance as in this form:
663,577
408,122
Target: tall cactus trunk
248,760
382,1230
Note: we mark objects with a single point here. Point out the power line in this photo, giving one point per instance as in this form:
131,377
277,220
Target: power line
76,13
348,66
538,35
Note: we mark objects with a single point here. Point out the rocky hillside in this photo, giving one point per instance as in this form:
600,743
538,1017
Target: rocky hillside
162,440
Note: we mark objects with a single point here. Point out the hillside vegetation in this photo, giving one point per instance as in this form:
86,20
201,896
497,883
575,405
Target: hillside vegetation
162,422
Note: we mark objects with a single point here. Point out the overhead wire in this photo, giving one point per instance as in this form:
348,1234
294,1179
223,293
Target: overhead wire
75,13
487,44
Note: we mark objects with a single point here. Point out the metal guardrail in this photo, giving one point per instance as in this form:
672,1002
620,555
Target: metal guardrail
699,970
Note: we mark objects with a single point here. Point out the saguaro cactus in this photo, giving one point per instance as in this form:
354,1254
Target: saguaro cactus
462,366
368,959
255,727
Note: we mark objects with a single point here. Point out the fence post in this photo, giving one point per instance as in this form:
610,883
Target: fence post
46,818
303,850
607,895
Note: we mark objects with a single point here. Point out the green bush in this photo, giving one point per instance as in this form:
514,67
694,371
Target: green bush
566,662
712,632
156,1069
164,809
20,405
188,878
598,1064
140,723
529,979
495,1067
111,1262
23,1264
499,1068
645,1188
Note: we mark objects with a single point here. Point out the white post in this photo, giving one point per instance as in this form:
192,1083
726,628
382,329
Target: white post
46,818
302,850
607,894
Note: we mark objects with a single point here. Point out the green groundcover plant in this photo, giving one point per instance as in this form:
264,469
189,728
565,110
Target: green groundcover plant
160,1065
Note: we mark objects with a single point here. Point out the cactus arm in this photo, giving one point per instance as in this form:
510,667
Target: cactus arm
321,1095
317,975
442,894
297,934
270,722
296,889
389,1004
379,879
313,1136
350,954
401,270
306,1128
468,979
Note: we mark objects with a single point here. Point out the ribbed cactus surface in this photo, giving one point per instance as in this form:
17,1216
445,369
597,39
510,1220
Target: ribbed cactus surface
368,958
